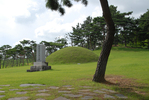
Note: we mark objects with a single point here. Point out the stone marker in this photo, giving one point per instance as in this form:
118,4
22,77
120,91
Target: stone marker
13,89
64,91
87,97
53,87
88,93
44,90
19,98
70,88
40,99
109,96
108,90
73,95
121,96
4,85
2,96
85,86
86,90
2,91
42,94
40,63
61,98
98,91
21,92
24,85
67,86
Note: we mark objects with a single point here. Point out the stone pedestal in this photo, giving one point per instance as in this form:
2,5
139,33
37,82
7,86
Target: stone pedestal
39,66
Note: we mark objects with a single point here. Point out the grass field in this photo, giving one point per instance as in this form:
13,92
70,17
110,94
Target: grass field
127,69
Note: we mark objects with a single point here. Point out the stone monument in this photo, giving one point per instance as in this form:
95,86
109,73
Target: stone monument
40,63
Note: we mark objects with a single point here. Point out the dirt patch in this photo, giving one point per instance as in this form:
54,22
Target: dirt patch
127,84
120,81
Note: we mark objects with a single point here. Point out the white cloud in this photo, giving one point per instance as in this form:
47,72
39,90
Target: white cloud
57,25
52,26
11,8
97,12
74,8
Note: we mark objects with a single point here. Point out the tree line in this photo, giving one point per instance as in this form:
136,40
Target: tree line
129,31
90,34
24,53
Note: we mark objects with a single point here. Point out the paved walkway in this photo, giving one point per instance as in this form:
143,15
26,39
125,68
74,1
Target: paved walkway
66,92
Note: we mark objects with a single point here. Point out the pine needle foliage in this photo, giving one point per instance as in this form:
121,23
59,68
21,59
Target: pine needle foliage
58,5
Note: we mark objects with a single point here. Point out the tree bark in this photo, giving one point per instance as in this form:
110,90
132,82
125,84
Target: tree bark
3,62
107,45
148,43
34,58
125,42
0,63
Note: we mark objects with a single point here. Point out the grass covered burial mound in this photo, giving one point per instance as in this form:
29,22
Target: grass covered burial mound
72,55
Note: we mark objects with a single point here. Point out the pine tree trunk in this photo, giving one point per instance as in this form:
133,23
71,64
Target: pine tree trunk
4,63
0,63
13,60
23,60
17,61
107,45
34,58
148,43
7,62
27,60
125,42
20,62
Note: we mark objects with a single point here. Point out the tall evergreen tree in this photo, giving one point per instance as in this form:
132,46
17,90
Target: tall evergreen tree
127,30
120,21
19,53
4,50
77,36
144,28
12,55
100,24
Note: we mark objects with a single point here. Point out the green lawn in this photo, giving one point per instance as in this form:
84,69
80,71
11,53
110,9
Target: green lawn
126,62
132,63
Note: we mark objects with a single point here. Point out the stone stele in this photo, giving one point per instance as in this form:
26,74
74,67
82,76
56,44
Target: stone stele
40,63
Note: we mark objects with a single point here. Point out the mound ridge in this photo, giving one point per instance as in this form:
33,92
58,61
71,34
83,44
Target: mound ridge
70,55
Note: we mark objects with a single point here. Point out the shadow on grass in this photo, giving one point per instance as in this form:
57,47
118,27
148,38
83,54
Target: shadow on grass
130,91
52,70
45,70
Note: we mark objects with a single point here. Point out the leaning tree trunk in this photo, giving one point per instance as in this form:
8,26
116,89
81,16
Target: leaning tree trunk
107,45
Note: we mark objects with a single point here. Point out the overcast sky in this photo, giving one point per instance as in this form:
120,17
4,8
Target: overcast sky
31,20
